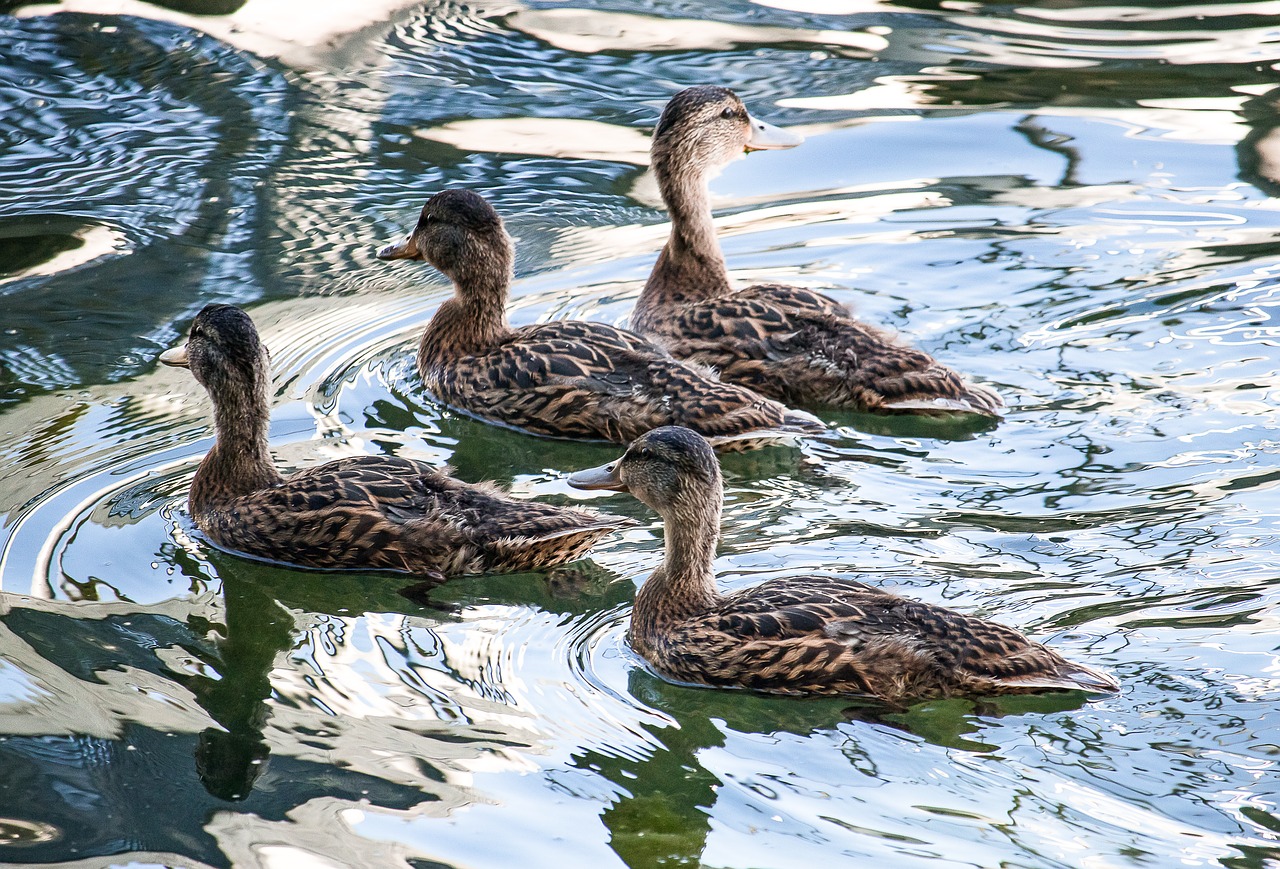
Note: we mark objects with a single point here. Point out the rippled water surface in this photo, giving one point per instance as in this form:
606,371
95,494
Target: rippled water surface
1071,201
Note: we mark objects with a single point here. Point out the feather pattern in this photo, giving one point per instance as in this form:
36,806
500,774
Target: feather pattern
828,635
366,512
383,512
568,379
805,634
800,347
788,343
593,381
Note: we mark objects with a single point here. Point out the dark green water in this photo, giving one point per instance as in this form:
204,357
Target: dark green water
1070,201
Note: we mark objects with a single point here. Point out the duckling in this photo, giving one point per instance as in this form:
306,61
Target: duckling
565,379
366,512
801,634
789,343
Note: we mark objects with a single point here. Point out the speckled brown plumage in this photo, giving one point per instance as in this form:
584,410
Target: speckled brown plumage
801,634
366,512
788,343
567,378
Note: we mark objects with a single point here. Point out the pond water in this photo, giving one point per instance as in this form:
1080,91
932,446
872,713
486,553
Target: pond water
1070,201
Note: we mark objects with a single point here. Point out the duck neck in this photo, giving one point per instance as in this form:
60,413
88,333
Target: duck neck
475,317
691,266
684,585
240,460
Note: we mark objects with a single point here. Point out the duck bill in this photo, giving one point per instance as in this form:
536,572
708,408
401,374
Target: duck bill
406,248
767,137
603,477
176,356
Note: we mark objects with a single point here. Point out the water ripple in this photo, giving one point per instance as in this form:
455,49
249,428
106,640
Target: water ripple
171,163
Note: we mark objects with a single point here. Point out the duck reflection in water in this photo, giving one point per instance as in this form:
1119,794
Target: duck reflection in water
233,755
665,800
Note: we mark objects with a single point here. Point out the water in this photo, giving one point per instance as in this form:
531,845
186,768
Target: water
1073,202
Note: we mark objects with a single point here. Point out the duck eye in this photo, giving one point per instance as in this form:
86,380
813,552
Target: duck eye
197,332
728,114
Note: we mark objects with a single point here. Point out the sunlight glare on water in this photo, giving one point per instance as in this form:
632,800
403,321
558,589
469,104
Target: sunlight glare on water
1074,203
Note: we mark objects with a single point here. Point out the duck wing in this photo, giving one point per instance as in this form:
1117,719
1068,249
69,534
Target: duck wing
982,657
351,513
800,346
590,380
384,512
832,635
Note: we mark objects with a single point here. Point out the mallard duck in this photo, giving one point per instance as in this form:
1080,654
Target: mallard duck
789,343
801,634
568,378
366,512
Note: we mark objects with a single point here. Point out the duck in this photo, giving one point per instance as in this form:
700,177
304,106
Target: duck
801,634
567,378
363,512
789,343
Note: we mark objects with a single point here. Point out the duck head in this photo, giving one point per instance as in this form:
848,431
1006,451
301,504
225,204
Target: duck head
224,353
460,234
709,127
672,469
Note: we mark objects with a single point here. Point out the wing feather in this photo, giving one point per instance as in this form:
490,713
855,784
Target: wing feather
384,512
590,380
833,635
802,347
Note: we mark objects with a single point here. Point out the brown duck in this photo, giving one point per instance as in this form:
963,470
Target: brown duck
788,343
568,378
366,512
801,634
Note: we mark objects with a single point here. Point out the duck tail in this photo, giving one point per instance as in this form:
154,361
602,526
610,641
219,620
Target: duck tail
801,422
889,376
753,440
935,389
1068,676
551,548
975,399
